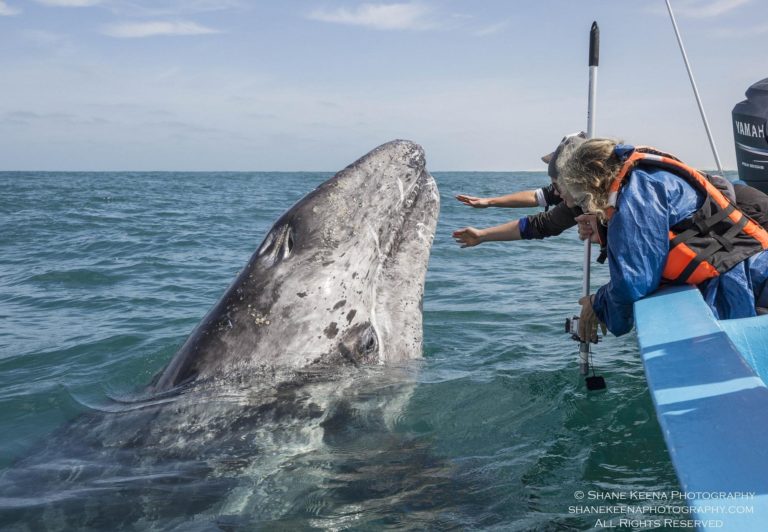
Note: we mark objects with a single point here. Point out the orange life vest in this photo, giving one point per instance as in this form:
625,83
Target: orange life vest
713,240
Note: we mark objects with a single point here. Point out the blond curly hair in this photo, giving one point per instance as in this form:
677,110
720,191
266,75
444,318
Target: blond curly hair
588,172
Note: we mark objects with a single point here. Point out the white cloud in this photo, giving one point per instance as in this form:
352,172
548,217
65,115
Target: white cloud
492,29
706,8
135,30
173,8
7,11
69,3
749,31
378,16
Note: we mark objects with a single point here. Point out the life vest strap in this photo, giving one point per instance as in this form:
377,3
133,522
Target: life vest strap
701,227
724,241
725,244
691,267
737,228
707,222
685,236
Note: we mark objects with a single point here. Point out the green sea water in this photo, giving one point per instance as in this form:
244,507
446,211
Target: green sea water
103,275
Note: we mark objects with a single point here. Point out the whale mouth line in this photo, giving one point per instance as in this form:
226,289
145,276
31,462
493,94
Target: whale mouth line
413,217
405,215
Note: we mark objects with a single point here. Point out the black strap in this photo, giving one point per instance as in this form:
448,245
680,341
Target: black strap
709,221
737,228
602,237
688,270
704,228
603,254
724,241
684,237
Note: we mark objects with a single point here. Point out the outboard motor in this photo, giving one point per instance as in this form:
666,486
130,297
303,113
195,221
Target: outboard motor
749,129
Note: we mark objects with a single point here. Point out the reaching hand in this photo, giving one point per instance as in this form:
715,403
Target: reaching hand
588,321
588,227
472,201
467,237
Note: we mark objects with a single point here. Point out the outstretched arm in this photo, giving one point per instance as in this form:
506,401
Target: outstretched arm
470,236
550,223
525,198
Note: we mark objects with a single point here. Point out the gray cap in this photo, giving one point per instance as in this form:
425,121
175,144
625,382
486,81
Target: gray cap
563,150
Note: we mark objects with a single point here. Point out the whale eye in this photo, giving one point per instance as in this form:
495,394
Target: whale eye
369,342
359,344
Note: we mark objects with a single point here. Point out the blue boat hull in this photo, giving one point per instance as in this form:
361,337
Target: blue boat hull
708,383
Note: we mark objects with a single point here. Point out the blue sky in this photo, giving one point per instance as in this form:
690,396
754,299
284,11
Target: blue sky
312,85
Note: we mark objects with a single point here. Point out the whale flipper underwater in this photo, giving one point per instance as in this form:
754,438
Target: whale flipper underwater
312,339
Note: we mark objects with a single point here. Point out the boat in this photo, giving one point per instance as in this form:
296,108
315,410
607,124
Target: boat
707,379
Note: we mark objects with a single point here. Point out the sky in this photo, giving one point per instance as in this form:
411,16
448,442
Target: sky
301,85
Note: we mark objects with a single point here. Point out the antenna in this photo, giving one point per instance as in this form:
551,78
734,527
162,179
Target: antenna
695,90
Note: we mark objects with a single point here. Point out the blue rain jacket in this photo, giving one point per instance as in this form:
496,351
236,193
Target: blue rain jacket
650,202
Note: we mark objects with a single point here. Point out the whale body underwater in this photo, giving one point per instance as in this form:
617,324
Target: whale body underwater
309,349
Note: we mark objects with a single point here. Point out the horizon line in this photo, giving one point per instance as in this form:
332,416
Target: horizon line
541,171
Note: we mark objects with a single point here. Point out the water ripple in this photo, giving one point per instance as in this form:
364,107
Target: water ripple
103,275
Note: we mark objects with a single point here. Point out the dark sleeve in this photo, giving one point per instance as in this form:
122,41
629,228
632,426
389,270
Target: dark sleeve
550,223
551,197
753,203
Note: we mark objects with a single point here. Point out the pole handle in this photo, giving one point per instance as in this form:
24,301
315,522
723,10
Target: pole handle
594,45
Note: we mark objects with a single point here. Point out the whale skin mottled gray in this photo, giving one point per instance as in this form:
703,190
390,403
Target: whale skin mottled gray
338,280
308,353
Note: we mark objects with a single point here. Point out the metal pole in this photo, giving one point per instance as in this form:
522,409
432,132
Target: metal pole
695,90
594,59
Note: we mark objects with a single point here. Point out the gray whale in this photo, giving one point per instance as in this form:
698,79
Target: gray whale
338,280
287,386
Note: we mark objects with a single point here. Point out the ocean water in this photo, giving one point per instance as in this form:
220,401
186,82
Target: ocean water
103,275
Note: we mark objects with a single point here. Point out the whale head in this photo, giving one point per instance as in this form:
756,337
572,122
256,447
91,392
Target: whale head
338,280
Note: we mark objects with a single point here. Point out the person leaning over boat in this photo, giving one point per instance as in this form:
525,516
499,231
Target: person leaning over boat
667,224
551,222
554,221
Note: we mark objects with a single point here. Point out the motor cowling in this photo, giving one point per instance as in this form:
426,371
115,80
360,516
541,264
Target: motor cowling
749,134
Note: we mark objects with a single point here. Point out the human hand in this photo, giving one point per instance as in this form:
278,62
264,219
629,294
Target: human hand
472,201
588,321
468,237
587,224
